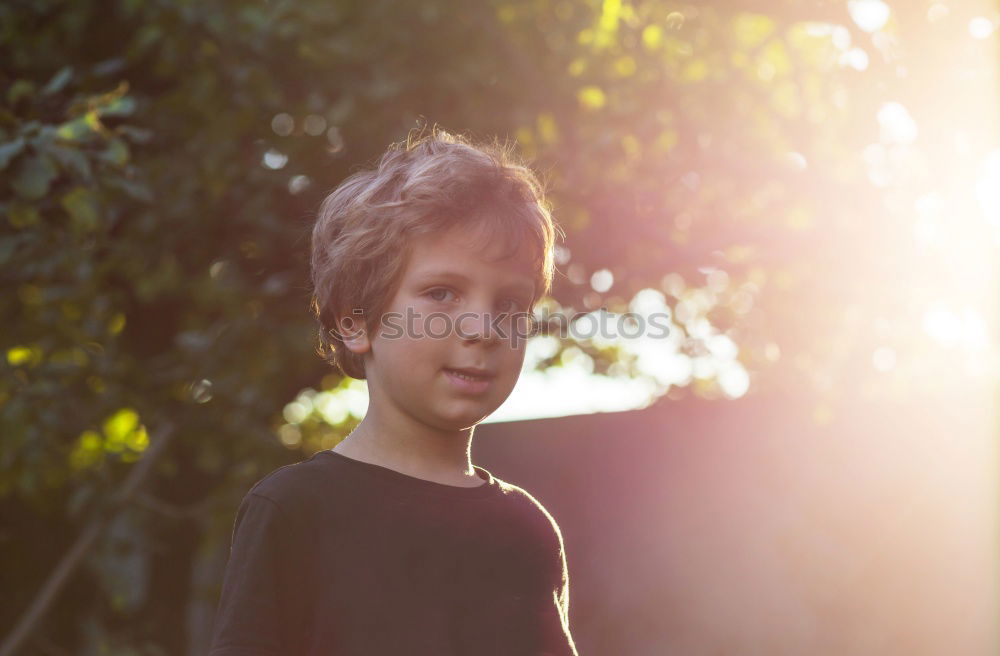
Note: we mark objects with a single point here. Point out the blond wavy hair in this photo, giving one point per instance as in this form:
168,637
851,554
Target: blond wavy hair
426,184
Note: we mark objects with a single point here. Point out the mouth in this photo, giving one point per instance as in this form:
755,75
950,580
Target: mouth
471,374
469,380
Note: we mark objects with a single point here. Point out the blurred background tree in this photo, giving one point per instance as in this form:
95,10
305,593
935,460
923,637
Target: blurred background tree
755,170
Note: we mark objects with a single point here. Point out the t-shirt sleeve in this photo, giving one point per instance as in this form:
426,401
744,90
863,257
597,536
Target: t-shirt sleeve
558,639
249,618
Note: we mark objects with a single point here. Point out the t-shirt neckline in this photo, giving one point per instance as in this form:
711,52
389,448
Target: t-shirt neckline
414,485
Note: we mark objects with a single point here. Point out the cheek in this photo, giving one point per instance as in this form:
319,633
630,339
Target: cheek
402,356
515,361
423,353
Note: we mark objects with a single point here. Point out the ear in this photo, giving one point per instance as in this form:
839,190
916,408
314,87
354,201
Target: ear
354,331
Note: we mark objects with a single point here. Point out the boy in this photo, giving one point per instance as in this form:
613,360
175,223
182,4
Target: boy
393,542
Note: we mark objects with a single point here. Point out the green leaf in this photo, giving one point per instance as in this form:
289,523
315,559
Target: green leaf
123,106
138,135
22,215
116,153
81,205
20,89
34,177
10,150
78,129
58,81
71,158
123,430
109,67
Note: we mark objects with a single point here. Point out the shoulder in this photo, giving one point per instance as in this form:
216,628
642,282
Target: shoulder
294,486
532,510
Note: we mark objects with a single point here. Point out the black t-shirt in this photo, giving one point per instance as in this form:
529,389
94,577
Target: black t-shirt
334,556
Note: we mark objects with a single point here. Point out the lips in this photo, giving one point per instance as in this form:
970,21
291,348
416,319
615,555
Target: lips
471,373
469,381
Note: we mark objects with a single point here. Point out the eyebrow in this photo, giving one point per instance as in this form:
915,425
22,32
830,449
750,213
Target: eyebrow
527,287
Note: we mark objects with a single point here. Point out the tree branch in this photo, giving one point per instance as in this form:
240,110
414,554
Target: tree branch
60,576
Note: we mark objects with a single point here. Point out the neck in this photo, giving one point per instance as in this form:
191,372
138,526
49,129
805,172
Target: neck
412,448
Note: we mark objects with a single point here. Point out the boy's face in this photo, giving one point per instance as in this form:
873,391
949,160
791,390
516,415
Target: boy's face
444,316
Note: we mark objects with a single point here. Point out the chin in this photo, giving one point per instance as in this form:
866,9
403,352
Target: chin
462,420
462,423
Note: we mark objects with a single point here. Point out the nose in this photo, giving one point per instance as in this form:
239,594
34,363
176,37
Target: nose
477,327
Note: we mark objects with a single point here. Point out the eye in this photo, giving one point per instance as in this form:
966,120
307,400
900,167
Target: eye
516,305
434,293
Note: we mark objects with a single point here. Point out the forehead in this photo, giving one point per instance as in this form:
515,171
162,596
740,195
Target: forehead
463,250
